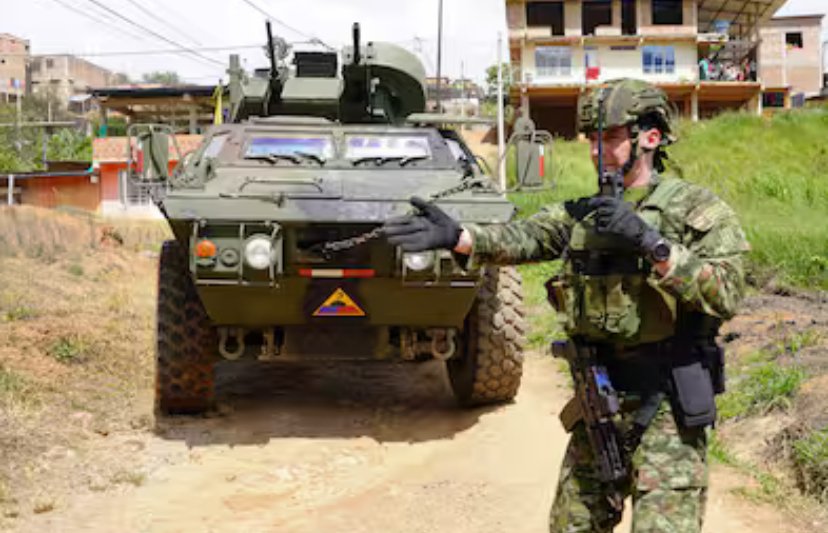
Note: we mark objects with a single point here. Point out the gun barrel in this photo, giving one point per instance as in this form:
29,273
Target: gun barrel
271,50
356,34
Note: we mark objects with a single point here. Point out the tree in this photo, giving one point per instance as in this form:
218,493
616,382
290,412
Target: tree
491,81
69,145
164,77
121,78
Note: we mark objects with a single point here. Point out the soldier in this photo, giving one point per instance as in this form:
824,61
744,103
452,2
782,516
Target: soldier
647,280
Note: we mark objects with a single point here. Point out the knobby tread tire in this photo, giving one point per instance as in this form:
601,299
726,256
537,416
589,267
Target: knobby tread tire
490,366
186,340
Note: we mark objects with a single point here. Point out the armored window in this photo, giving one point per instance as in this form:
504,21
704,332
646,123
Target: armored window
668,12
321,146
659,59
794,39
553,61
214,147
360,146
546,15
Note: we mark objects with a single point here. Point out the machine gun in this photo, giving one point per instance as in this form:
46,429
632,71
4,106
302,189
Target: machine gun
376,83
596,403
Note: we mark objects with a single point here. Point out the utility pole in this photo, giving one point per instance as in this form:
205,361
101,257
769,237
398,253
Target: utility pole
463,89
501,133
439,56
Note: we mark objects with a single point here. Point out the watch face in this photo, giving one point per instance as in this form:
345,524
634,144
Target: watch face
661,252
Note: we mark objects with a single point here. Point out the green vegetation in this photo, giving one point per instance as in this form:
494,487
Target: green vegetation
69,349
763,388
22,149
810,455
770,170
75,269
10,384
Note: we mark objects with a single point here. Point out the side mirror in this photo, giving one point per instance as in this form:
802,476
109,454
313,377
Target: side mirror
148,151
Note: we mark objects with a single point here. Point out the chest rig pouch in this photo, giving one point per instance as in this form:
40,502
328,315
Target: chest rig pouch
607,293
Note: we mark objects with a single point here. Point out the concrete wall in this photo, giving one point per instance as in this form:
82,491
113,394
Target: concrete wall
617,63
14,54
516,19
64,76
781,65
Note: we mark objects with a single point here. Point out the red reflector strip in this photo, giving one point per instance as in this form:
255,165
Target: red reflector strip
337,272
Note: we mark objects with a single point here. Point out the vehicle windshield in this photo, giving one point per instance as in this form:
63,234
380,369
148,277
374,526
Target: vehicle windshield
387,147
290,145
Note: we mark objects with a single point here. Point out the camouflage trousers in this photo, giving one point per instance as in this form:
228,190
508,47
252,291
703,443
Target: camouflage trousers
668,482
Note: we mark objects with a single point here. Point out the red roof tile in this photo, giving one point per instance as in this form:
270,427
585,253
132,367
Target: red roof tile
113,149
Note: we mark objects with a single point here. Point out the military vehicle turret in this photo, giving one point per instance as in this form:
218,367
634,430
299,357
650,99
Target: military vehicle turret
278,252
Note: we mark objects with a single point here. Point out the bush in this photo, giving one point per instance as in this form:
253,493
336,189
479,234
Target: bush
810,455
763,388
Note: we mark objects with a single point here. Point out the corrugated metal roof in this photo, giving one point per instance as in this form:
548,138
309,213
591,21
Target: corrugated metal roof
742,14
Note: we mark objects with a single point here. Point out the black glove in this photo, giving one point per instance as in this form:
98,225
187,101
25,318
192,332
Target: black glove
430,229
617,218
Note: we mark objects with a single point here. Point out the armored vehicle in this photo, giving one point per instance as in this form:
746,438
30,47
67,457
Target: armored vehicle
279,253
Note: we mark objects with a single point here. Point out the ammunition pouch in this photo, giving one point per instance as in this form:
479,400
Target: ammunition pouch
691,395
691,375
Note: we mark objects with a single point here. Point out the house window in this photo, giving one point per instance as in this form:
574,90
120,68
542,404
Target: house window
50,63
667,12
659,59
553,61
773,99
794,39
546,15
595,13
629,25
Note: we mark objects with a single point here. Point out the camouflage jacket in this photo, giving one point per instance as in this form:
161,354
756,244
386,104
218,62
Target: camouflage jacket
706,274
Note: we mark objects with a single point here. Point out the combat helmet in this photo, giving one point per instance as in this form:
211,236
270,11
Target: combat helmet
628,102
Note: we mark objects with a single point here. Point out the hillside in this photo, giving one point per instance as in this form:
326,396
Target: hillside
771,170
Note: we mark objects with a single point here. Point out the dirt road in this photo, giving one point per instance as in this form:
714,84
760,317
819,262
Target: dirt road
354,448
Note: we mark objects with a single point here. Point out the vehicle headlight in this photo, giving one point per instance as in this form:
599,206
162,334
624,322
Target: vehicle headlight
419,261
259,252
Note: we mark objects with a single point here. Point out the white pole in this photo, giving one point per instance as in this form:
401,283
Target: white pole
501,132
10,192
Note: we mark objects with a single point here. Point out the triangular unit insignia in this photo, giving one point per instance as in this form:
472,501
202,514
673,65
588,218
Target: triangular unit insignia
339,304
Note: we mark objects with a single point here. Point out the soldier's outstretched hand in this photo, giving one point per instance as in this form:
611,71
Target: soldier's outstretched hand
429,229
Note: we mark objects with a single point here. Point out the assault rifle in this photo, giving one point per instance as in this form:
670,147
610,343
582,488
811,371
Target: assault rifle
596,403
609,183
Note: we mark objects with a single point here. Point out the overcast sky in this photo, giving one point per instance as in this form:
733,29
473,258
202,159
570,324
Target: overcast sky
82,27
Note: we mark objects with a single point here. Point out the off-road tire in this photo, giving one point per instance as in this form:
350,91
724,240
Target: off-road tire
186,340
489,366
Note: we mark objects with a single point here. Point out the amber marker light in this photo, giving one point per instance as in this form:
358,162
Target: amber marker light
205,249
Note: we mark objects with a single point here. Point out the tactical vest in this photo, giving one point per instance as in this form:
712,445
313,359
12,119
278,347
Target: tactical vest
607,293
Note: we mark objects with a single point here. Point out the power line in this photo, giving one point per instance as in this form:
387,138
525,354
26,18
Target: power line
145,52
286,25
163,21
93,18
156,34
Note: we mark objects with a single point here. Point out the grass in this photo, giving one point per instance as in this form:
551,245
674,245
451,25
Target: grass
11,385
763,388
810,456
68,349
780,196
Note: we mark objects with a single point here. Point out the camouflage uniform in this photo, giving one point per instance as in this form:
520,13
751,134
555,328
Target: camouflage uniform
669,470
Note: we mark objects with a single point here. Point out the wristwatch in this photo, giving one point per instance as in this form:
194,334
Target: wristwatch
660,251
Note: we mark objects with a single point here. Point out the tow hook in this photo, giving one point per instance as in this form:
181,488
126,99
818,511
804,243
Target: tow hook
443,345
238,334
